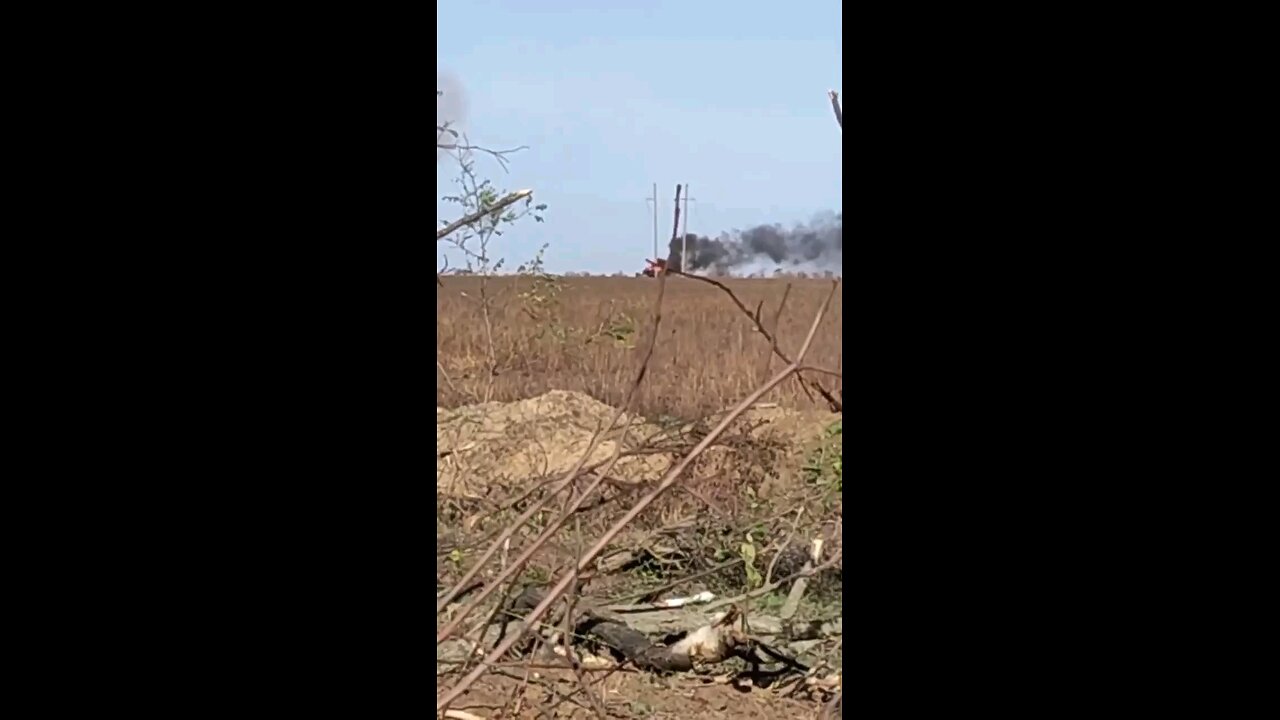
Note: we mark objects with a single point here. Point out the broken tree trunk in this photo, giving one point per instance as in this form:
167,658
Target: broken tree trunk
701,640
706,645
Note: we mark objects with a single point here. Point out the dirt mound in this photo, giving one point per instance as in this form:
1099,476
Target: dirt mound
767,447
480,445
795,427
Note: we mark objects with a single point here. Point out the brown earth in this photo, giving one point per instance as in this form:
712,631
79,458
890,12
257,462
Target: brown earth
488,452
517,442
635,695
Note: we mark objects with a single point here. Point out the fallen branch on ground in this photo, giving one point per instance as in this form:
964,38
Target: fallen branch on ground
707,645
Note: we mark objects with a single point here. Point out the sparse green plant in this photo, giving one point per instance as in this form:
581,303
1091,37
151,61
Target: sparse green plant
622,329
542,295
455,558
825,466
471,239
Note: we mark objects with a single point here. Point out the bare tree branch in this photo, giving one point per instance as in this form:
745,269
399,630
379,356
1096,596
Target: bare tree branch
469,218
777,317
835,105
834,403
466,147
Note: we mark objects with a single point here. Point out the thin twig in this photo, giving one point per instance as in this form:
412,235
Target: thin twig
766,589
835,105
467,147
448,380
596,705
626,599
832,402
461,149
777,317
823,371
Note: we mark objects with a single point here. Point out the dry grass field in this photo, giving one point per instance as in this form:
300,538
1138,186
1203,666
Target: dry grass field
587,334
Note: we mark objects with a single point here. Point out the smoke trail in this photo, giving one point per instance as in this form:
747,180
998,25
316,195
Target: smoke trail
817,246
451,108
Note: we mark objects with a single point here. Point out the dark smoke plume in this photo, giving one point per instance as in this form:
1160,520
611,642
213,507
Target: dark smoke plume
817,246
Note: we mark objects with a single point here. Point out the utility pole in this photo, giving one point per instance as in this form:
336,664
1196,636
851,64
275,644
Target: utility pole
654,199
684,242
684,236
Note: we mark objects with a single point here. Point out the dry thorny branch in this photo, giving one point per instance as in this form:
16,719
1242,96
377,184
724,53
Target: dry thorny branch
447,140
834,403
465,146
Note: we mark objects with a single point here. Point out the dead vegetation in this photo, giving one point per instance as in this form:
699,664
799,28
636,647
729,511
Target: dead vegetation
663,521
585,338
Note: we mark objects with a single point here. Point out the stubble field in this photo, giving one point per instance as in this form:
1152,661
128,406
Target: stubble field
586,334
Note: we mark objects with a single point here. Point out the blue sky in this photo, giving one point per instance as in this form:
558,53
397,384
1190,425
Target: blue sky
613,96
